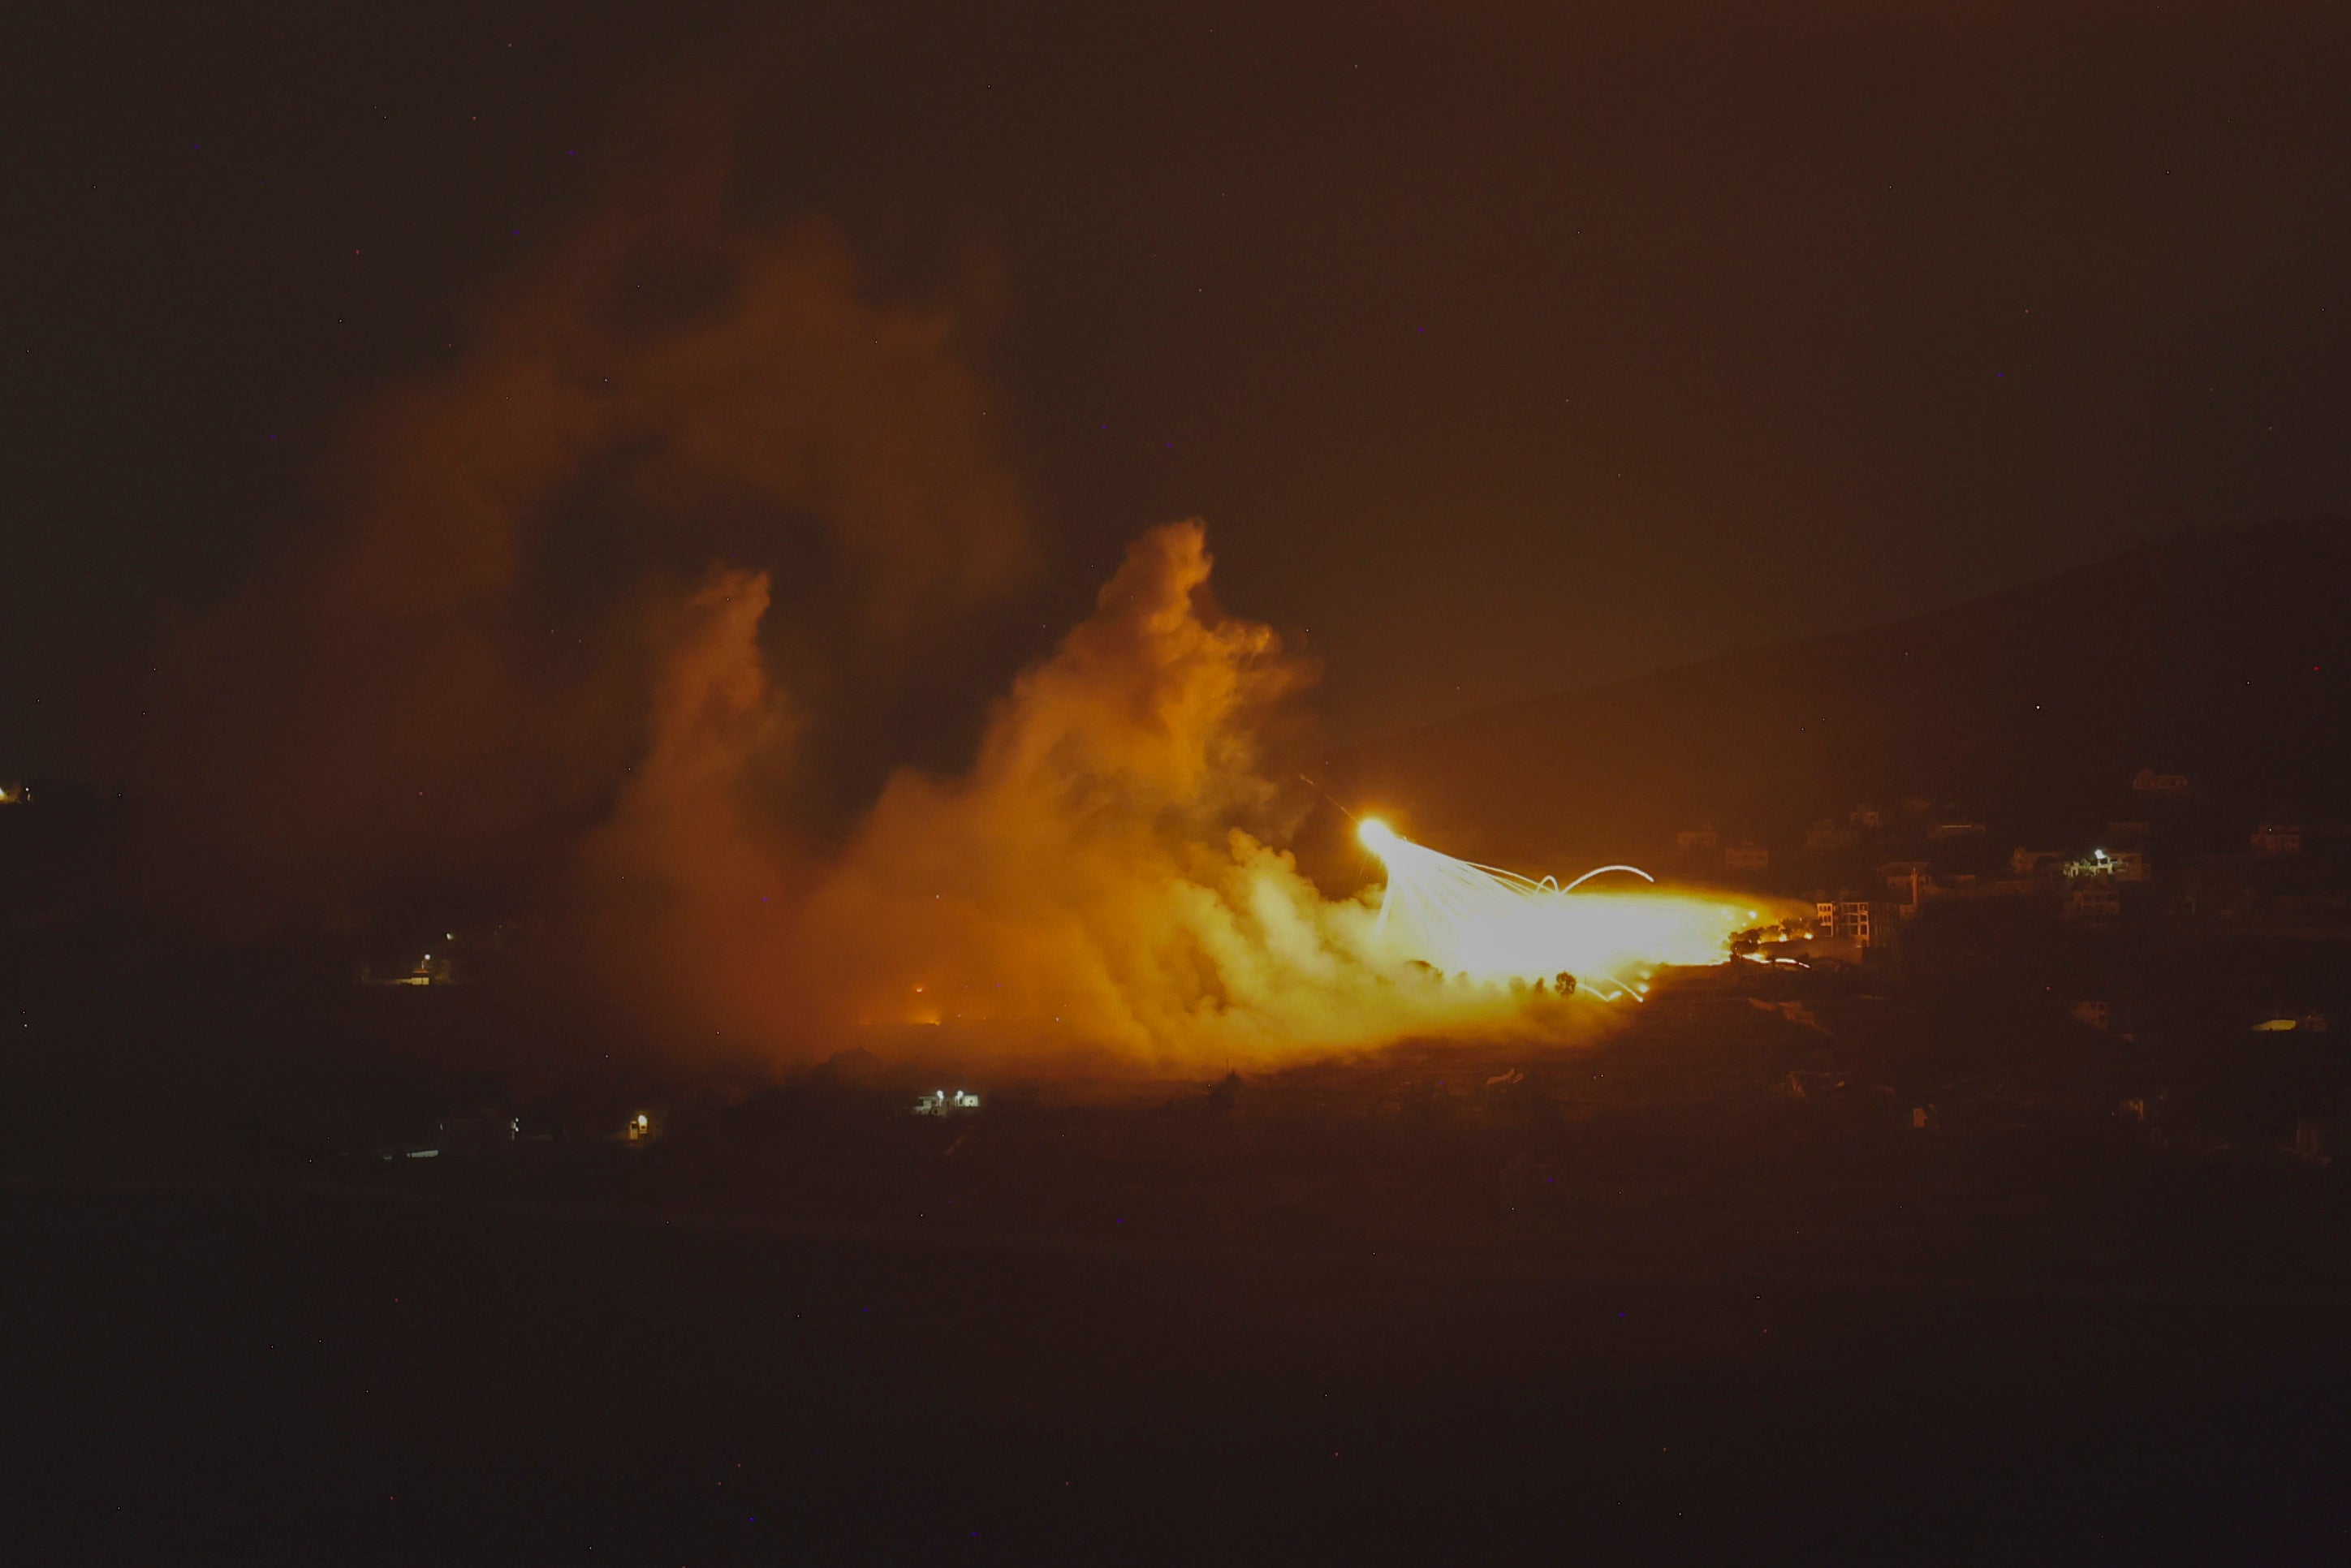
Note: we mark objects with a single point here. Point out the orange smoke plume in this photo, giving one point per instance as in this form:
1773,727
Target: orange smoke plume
493,680
448,684
1099,888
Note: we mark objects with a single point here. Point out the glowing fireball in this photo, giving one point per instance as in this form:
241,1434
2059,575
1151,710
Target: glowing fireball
1486,923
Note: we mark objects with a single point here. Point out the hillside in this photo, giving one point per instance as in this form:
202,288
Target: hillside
2222,657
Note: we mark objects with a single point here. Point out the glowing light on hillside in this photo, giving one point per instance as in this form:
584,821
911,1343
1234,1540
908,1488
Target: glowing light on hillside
1490,924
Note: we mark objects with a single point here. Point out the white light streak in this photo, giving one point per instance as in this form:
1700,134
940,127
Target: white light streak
1491,924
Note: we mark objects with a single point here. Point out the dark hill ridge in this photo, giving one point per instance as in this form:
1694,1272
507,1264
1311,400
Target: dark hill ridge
2221,656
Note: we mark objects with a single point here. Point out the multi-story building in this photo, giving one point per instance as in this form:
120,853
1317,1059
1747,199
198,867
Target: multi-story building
1865,922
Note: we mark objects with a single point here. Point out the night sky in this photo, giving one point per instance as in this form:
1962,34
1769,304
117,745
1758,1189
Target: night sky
1503,349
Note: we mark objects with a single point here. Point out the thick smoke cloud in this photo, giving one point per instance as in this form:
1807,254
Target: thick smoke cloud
1099,889
450,685
590,598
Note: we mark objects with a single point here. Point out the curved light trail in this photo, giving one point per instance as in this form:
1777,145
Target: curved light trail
1486,923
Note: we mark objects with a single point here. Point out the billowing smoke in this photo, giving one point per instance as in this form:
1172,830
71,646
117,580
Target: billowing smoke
1100,885
450,684
594,601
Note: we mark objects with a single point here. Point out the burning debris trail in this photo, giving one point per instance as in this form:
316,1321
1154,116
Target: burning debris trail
1489,924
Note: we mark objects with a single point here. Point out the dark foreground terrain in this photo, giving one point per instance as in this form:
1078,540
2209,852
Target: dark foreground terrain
1787,1268
241,1374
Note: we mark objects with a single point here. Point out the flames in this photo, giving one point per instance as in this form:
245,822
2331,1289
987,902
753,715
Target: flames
1106,886
1483,923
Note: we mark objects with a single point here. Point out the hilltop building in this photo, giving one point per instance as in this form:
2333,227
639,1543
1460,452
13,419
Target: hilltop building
2113,864
1746,857
2148,782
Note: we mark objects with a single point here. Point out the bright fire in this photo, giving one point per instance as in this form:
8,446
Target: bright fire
1107,884
1488,924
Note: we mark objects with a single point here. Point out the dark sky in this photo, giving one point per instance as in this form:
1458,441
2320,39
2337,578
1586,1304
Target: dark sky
1503,349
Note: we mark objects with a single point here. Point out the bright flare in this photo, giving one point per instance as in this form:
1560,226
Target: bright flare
1481,922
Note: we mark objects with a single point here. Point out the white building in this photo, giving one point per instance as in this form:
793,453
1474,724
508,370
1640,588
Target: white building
2110,865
